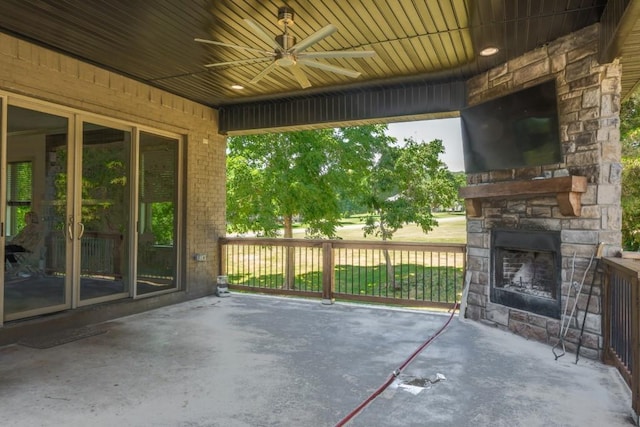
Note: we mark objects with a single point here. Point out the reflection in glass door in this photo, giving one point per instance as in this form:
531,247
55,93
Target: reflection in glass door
36,186
67,190
102,231
157,214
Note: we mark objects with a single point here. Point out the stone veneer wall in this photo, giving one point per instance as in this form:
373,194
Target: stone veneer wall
588,102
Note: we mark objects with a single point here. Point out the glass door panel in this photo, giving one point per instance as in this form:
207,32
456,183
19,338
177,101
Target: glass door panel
157,214
103,226
36,185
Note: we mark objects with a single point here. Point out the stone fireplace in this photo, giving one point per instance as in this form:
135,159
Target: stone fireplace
526,271
530,230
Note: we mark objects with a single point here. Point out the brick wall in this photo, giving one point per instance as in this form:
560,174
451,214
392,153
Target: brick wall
589,101
37,73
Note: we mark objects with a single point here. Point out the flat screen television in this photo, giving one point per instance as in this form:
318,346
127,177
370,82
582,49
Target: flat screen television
514,131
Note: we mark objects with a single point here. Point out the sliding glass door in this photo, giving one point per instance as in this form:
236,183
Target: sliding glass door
90,211
35,208
103,221
157,253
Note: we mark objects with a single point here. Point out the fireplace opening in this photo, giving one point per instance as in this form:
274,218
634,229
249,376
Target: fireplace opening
526,271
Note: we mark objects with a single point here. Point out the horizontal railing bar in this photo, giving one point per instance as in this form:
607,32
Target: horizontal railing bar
341,244
401,246
619,364
394,301
275,291
629,269
268,241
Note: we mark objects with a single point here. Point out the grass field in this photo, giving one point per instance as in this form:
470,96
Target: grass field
452,228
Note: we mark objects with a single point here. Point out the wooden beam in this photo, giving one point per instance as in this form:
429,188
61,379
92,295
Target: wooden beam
473,207
567,189
569,203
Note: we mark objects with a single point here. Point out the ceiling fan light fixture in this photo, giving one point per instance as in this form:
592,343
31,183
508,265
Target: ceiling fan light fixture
489,51
285,60
285,16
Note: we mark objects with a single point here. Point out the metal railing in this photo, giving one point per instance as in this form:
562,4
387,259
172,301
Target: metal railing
100,253
385,272
620,321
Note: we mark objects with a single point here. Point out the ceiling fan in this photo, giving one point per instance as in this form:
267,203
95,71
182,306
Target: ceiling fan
290,54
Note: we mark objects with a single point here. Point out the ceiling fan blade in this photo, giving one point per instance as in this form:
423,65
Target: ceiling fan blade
328,67
261,32
263,73
339,54
238,62
300,76
313,38
234,46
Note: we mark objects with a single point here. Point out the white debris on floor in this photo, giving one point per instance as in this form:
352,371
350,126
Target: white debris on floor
415,385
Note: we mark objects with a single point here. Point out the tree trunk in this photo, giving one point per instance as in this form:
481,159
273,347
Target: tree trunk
391,276
288,226
289,261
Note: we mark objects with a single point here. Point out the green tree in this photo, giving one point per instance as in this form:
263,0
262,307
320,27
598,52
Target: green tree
273,178
403,187
630,201
630,197
460,179
630,126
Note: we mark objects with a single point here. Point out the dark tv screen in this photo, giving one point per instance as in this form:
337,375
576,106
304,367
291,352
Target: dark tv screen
517,130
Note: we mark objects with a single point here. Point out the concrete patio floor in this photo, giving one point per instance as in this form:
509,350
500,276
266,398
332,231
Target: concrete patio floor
251,360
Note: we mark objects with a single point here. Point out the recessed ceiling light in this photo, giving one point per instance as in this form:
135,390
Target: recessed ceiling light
489,50
237,87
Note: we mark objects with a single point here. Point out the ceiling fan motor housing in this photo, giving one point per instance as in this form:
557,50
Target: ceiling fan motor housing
285,16
287,41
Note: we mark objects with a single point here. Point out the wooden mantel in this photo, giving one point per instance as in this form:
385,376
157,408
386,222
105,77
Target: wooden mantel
568,191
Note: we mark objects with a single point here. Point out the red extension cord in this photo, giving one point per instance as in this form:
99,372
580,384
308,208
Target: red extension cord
397,372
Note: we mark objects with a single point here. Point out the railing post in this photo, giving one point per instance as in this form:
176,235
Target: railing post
222,256
635,351
606,316
328,277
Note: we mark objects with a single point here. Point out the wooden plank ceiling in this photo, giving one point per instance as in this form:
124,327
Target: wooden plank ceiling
428,40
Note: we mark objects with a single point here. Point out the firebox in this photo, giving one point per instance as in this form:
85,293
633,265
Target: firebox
526,268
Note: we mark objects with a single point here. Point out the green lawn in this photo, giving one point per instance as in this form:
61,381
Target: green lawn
452,228
412,281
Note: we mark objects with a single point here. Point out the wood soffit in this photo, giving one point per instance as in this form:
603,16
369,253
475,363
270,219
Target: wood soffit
414,41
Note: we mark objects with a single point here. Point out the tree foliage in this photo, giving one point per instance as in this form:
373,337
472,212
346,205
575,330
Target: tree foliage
630,126
630,198
273,178
630,202
404,186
